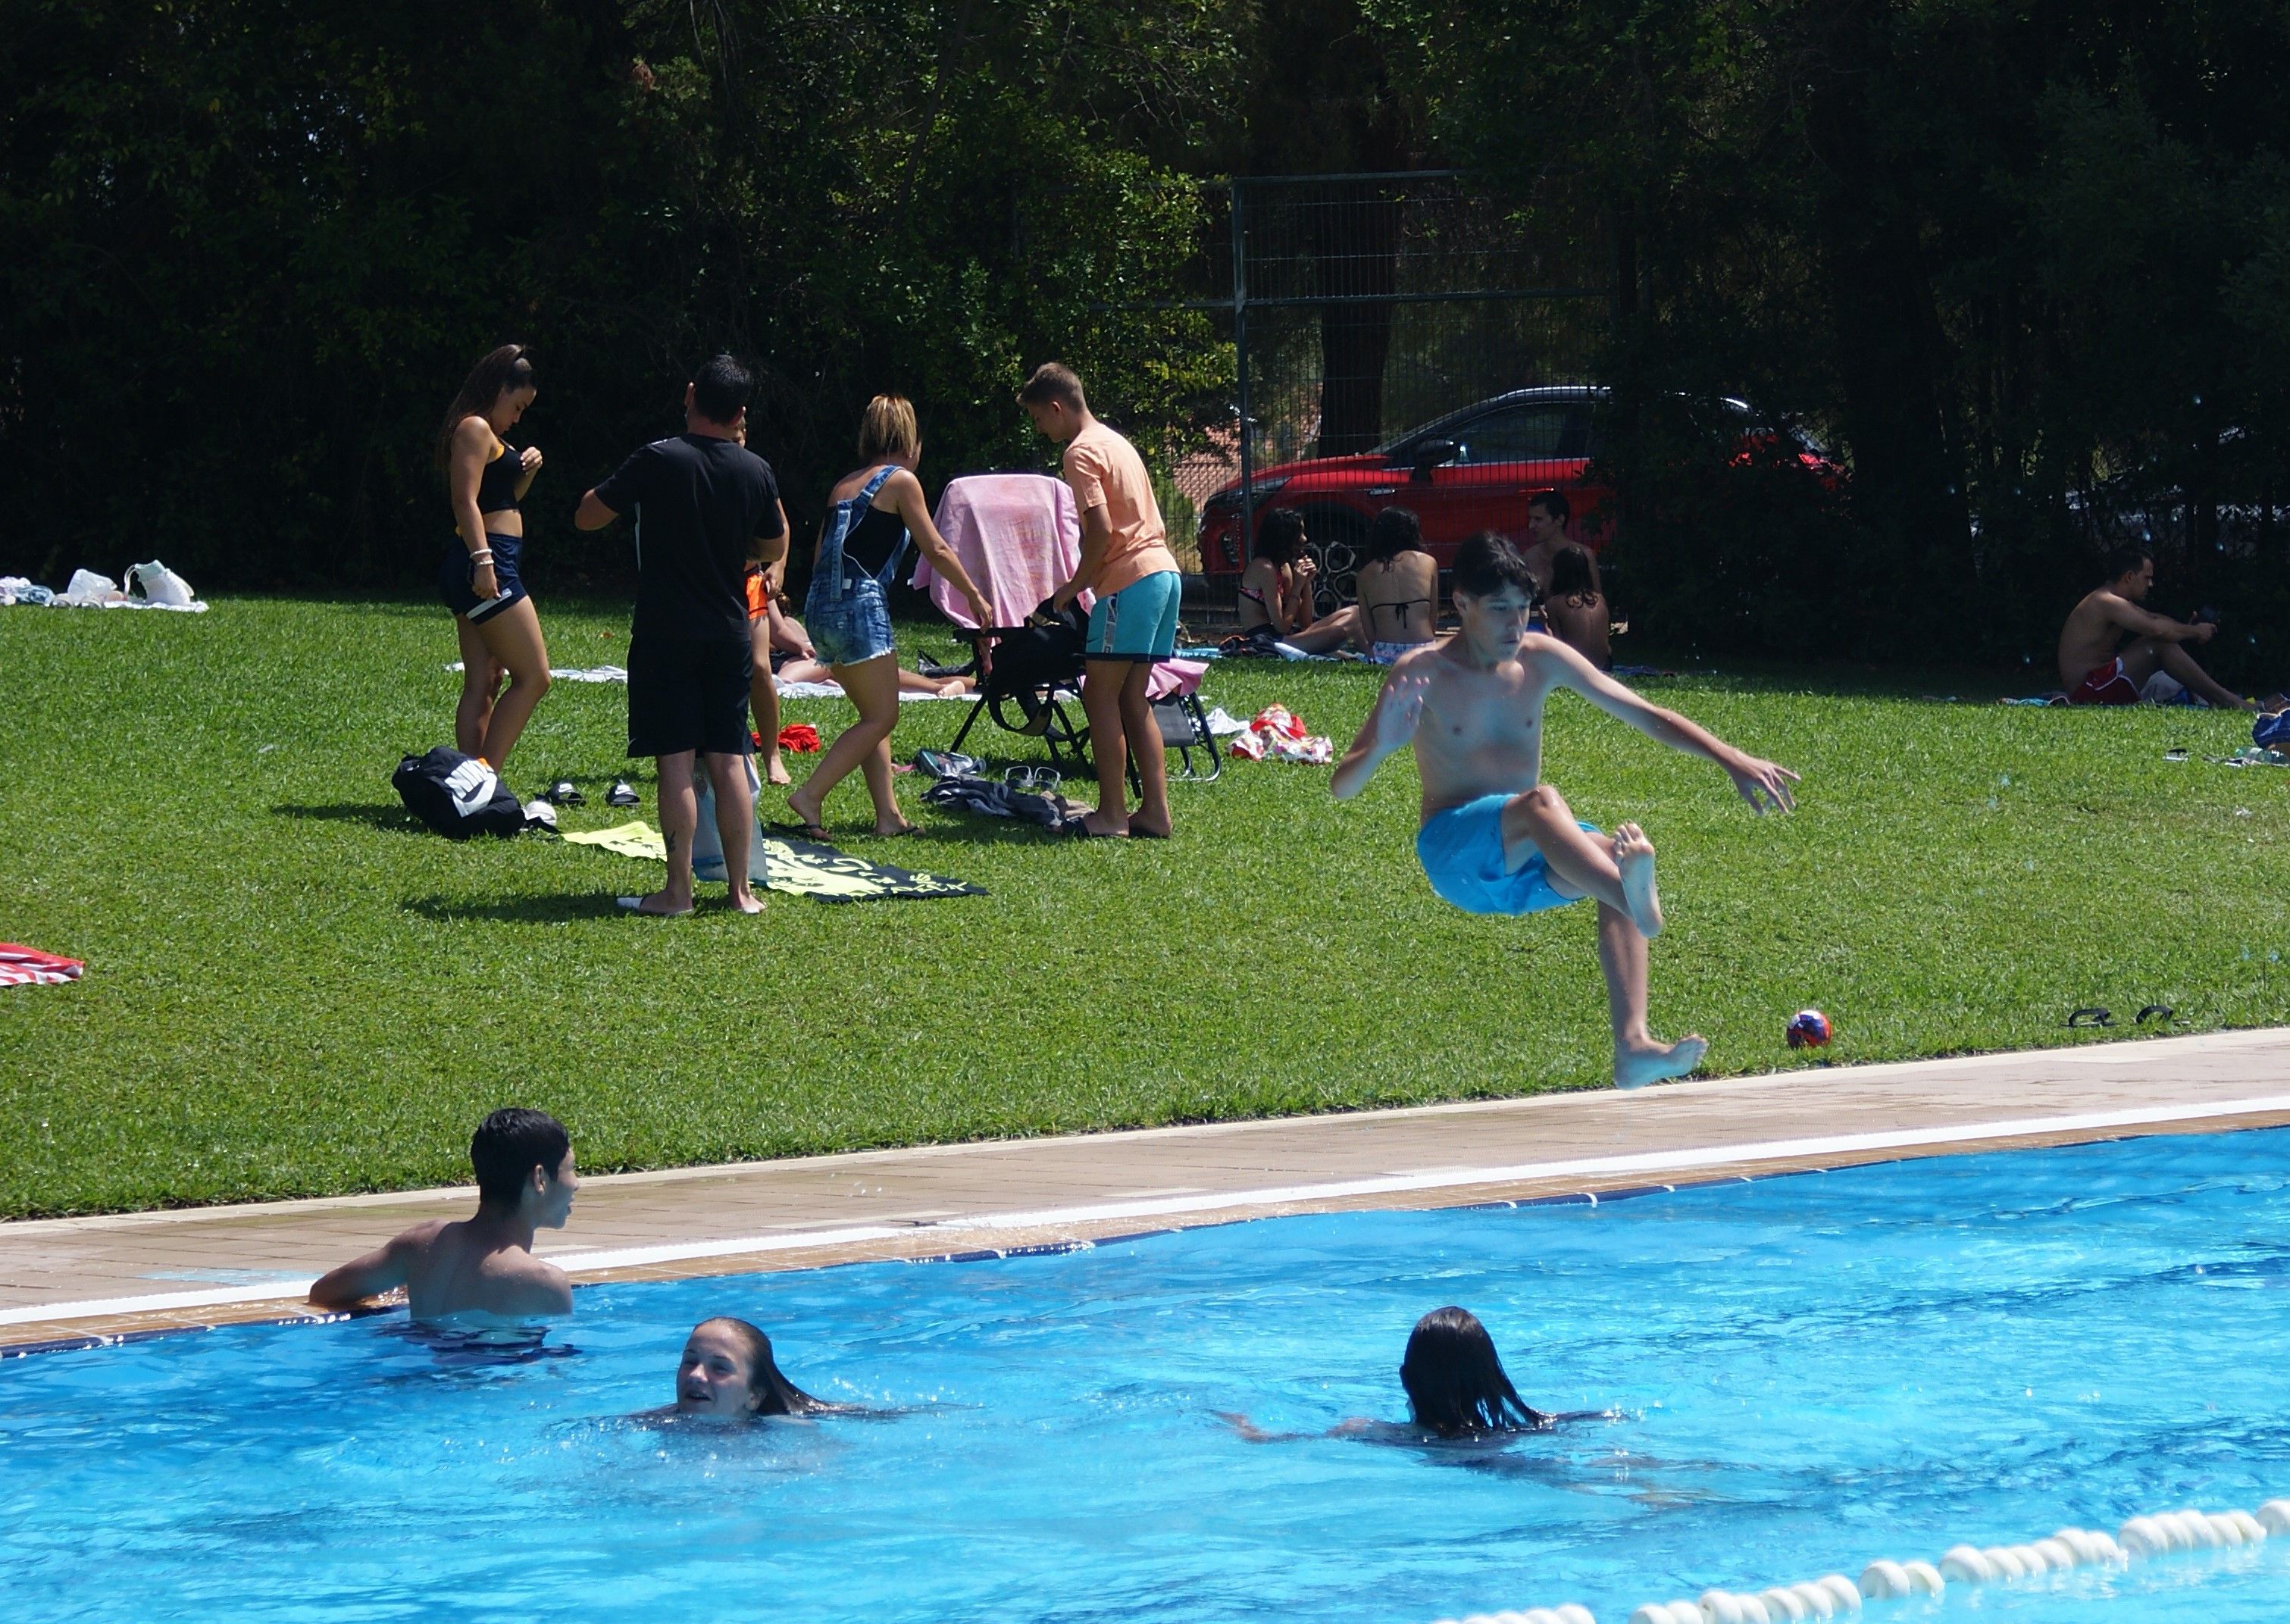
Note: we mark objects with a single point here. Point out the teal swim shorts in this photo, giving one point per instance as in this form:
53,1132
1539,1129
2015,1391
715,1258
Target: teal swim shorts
1138,622
1462,850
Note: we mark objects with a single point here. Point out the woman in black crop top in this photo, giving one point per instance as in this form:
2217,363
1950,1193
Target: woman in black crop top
479,577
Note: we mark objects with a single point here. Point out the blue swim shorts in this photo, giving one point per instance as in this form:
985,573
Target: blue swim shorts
1461,850
1138,622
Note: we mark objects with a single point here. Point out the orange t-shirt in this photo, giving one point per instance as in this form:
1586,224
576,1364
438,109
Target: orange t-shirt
1105,471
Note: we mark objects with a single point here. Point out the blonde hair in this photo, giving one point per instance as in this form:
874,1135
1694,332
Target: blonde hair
887,431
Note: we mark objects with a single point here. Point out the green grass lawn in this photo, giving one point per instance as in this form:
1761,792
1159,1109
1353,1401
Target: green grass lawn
293,989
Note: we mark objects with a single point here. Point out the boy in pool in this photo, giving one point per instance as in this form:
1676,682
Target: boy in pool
1495,839
482,1265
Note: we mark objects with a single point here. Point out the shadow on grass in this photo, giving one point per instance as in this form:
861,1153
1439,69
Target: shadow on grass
395,819
519,910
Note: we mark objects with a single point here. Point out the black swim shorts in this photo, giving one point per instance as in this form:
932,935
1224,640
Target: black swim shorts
689,693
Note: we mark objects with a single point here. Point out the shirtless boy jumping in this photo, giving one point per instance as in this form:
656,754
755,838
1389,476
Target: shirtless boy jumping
1495,839
483,1265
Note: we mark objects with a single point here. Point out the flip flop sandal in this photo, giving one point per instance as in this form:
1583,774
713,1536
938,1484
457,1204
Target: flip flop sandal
2163,1014
622,794
564,792
2099,1017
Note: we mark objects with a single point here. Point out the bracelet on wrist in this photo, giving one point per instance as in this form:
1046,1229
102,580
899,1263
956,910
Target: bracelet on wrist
483,555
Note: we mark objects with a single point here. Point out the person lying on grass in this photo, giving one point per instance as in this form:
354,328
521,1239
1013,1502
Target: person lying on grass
483,1266
727,1374
1456,1389
2100,668
1495,838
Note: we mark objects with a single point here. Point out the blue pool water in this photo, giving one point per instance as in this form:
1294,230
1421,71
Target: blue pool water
1808,1373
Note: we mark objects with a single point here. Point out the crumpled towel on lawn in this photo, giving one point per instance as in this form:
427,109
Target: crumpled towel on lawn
577,673
22,966
792,867
1274,734
834,690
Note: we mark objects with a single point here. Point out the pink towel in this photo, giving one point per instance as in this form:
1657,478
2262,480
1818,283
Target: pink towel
21,966
1017,534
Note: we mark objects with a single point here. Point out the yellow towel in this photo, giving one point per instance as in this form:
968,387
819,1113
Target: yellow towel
637,839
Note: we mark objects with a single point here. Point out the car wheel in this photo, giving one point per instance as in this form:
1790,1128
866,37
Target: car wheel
1339,538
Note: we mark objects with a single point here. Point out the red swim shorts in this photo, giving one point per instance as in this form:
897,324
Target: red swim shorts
2105,684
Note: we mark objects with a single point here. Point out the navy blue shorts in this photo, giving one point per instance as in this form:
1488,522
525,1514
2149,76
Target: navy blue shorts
453,579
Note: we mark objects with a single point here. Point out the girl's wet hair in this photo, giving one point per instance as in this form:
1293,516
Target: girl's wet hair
1395,530
773,1393
1455,1382
1280,536
1570,574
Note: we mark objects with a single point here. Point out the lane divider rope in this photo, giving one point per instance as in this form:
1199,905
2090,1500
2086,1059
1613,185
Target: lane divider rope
1885,1580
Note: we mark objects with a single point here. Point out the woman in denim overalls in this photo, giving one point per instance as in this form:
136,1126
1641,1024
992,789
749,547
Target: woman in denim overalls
847,612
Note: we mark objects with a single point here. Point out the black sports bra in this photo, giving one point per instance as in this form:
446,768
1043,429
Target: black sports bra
497,484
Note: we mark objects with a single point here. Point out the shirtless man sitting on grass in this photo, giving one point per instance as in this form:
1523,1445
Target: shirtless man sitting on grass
2100,668
483,1266
1495,839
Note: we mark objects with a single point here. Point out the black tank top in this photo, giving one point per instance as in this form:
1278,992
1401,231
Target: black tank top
870,544
497,486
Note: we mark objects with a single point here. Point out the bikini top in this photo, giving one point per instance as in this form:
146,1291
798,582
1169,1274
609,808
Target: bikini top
497,484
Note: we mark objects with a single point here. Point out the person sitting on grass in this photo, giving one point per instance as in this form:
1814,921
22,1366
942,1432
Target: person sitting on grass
1277,590
1576,610
1495,838
2099,667
1548,514
708,511
1457,1389
482,1265
877,509
727,1374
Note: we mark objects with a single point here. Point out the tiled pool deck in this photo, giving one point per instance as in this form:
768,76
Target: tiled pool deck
76,1278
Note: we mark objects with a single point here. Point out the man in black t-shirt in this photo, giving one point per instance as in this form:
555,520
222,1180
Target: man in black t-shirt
708,510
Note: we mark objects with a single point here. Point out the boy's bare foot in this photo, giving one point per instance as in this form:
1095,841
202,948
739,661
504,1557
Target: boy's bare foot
1104,828
1140,830
747,901
1634,1068
775,770
659,905
900,828
1634,856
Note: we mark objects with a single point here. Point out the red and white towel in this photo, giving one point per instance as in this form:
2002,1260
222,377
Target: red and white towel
21,966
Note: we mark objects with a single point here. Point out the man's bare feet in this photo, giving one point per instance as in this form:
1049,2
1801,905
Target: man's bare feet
747,901
659,905
1104,828
775,770
1634,1068
1139,829
1634,856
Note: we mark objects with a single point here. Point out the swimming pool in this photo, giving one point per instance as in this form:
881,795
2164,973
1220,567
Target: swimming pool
1809,1372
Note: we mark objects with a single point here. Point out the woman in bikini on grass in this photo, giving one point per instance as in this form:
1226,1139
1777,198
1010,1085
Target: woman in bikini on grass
480,578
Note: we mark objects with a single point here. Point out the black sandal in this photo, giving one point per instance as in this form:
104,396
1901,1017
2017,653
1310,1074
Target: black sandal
2099,1017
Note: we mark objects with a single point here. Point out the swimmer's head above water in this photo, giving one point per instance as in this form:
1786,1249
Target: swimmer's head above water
524,1162
727,1371
1455,1382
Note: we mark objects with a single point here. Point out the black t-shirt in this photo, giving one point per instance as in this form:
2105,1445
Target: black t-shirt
699,503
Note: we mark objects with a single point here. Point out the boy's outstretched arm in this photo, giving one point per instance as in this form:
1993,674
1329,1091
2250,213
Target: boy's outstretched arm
1390,726
1763,784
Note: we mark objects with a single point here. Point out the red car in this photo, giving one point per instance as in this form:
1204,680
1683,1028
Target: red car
1471,470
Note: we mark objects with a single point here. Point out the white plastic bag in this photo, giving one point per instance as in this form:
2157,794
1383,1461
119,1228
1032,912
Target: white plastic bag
161,586
88,590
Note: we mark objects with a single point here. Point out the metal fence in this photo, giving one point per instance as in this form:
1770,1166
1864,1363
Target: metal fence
1361,307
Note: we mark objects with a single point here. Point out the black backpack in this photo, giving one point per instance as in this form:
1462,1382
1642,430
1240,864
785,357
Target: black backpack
456,795
1046,651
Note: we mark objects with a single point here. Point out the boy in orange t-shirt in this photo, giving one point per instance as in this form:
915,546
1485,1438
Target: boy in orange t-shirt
1127,561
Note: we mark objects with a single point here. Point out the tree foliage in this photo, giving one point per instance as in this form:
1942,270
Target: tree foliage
248,250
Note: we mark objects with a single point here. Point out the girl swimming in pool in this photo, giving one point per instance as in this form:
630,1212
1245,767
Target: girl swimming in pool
1456,1389
727,1374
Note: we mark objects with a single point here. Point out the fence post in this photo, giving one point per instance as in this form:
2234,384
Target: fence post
1240,364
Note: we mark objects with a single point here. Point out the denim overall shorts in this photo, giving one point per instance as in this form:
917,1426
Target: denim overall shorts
847,612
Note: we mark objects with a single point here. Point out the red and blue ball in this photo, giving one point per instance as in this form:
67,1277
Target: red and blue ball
1808,1030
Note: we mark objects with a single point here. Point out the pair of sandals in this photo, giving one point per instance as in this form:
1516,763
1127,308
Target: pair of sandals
565,792
2098,1015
